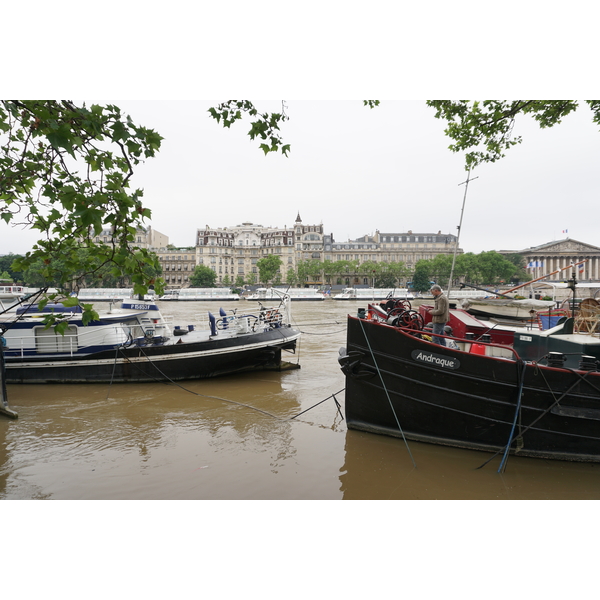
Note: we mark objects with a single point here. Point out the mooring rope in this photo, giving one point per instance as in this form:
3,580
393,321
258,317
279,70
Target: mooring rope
543,414
386,392
112,376
32,297
323,333
167,378
521,375
299,325
338,405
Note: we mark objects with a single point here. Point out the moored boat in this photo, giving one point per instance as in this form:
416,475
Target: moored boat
11,292
294,294
506,307
135,343
503,389
103,294
201,294
351,293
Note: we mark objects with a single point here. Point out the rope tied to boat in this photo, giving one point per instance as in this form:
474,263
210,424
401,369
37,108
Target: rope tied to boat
387,393
334,322
167,378
521,380
30,297
337,404
579,379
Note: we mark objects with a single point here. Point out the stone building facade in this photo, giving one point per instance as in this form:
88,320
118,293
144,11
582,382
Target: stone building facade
177,265
145,237
411,247
234,252
407,247
553,256
308,240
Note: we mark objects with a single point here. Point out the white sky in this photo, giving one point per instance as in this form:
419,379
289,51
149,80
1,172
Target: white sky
357,170
351,168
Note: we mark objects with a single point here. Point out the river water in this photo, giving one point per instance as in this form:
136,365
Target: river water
234,438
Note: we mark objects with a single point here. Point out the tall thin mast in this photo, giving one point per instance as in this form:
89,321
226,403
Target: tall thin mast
466,184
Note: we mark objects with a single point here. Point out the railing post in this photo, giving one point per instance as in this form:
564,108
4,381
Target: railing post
4,410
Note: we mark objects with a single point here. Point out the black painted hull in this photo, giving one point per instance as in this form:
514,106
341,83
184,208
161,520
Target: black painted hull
176,362
450,397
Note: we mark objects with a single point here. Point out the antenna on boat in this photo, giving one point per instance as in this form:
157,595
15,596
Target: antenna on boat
466,184
572,284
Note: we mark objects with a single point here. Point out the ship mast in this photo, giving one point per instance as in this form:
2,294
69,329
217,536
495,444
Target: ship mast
466,184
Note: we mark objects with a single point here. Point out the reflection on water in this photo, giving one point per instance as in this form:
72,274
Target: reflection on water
234,438
379,467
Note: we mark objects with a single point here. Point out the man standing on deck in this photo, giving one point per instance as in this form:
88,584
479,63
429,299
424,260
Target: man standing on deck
440,314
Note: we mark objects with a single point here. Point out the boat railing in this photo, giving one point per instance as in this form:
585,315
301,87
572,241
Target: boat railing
249,322
471,346
82,339
414,327
157,322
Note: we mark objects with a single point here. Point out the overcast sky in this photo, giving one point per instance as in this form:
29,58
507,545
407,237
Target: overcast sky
353,169
356,170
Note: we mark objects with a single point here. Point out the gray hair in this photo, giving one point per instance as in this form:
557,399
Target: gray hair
436,287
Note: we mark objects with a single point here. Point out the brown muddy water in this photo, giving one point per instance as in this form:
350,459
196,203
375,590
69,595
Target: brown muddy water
233,439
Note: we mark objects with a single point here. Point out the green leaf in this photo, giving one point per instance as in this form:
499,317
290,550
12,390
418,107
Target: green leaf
70,301
89,314
61,327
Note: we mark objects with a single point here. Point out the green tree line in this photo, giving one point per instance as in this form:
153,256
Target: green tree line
49,272
486,268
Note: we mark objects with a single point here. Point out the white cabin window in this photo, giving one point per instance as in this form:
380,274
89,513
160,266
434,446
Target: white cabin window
48,341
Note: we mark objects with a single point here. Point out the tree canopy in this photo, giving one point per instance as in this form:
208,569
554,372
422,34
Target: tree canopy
268,268
6,263
65,170
483,268
483,129
203,276
36,274
264,125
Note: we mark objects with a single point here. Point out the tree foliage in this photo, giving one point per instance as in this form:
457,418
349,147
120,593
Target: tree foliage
518,260
484,268
265,125
6,263
203,276
421,281
66,170
43,274
383,274
483,129
268,268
